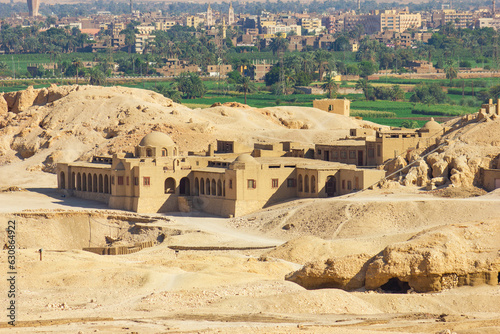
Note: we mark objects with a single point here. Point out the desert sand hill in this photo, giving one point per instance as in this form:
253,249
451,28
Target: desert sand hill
443,244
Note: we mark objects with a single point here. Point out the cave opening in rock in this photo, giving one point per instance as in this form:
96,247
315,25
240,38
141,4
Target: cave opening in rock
498,278
394,285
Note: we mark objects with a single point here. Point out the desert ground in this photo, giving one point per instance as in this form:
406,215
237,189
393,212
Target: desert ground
208,274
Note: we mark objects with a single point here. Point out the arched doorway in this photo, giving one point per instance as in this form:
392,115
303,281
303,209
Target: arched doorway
208,187
313,184
306,183
90,182
73,181
62,180
331,186
184,187
170,186
300,183
196,187
95,183
202,186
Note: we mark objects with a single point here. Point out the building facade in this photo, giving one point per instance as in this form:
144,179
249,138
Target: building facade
156,178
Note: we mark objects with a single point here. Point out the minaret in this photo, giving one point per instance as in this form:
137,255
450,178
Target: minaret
230,19
209,17
223,28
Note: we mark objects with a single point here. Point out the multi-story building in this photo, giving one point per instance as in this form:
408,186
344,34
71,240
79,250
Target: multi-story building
369,22
399,20
275,29
193,21
460,20
33,6
310,24
164,25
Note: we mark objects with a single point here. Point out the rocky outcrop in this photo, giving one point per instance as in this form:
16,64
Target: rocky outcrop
395,164
347,273
17,102
440,258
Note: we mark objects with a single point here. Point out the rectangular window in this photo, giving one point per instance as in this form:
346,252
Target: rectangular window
274,183
252,184
136,181
291,183
147,181
120,180
349,185
343,184
343,154
231,184
379,149
352,154
128,180
335,154
371,153
319,151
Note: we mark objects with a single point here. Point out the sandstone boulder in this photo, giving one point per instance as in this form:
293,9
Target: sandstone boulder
347,273
25,99
417,175
4,107
440,169
395,165
440,258
461,175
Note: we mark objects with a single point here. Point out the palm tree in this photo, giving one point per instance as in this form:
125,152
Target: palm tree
245,86
77,63
451,73
365,87
330,85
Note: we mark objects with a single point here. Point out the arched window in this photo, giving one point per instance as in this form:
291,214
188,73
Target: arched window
62,180
73,181
164,152
170,186
313,184
149,152
300,183
95,183
106,184
101,186
196,187
79,182
219,188
306,183
84,182
208,187
89,187
202,186
214,186
224,188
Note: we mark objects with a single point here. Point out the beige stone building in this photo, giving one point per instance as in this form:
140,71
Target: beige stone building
336,106
366,147
157,178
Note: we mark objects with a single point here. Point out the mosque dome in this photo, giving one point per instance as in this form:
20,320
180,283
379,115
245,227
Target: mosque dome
157,139
245,158
432,125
